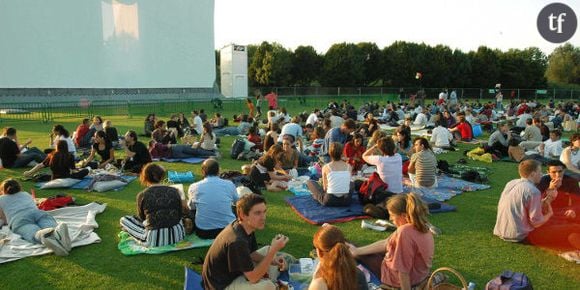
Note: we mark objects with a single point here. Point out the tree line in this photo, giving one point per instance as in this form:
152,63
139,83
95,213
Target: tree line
397,65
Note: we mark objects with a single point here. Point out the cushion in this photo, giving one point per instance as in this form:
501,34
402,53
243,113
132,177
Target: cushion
60,183
101,186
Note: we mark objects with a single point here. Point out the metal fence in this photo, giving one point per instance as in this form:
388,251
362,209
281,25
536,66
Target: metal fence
432,93
294,99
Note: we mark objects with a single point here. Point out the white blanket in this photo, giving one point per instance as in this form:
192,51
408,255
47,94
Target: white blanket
81,224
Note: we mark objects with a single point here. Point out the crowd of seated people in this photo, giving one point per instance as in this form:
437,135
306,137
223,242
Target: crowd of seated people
343,140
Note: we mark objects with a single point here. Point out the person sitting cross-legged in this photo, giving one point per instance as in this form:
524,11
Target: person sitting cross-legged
520,208
404,259
336,186
234,261
211,201
159,211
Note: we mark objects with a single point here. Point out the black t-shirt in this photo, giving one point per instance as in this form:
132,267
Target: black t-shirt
228,257
8,152
160,206
105,153
257,174
142,155
112,134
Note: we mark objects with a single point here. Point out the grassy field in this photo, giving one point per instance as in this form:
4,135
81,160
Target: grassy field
466,244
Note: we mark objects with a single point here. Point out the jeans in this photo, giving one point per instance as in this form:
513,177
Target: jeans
327,199
186,151
33,154
26,224
233,131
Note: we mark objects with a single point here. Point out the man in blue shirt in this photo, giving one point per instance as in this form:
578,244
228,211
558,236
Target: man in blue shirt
339,135
211,199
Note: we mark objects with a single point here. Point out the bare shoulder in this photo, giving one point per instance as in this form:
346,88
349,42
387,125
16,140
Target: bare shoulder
318,284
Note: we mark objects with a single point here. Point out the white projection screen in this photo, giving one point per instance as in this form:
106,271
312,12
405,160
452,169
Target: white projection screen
107,44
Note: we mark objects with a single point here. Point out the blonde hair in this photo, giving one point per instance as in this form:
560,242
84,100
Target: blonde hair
337,266
413,206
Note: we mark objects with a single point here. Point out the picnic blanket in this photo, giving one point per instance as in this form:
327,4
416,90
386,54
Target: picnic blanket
472,142
81,223
86,181
314,213
190,160
129,247
193,280
447,187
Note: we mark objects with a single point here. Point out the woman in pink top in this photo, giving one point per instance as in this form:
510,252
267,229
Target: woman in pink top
408,252
389,164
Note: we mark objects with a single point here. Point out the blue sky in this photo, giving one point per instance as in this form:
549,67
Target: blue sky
463,24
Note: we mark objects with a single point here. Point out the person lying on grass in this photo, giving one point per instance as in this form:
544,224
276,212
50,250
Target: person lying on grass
19,211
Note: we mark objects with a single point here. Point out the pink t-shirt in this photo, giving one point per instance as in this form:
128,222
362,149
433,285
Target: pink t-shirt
389,169
408,251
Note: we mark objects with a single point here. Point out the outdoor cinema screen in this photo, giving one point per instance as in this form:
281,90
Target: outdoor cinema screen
107,44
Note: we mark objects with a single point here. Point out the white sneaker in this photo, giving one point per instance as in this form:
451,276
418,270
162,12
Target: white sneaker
62,235
48,239
368,225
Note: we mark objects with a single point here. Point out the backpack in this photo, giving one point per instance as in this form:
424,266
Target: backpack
237,148
509,280
374,190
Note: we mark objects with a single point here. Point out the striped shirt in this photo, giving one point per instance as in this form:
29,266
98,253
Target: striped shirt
425,167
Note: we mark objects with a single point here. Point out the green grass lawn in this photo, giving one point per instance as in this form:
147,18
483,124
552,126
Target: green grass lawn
467,243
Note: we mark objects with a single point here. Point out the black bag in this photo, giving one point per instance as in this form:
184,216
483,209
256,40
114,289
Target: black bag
237,148
510,280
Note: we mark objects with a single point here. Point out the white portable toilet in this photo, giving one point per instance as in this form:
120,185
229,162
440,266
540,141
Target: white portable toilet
234,71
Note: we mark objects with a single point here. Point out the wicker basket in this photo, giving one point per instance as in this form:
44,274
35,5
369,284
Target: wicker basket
446,285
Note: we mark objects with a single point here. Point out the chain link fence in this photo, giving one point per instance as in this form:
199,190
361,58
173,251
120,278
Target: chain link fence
48,107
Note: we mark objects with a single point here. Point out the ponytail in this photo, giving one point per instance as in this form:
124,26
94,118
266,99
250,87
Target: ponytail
338,268
413,206
337,265
417,212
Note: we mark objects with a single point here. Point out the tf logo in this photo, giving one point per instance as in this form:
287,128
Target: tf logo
557,22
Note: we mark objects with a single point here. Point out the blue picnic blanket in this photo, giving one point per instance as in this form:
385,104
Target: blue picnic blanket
84,183
191,160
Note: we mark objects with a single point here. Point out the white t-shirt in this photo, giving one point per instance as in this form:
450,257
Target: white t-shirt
69,142
390,169
441,137
421,119
290,129
198,124
312,119
552,148
521,122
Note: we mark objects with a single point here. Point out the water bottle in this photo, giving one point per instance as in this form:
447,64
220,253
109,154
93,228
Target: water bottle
471,286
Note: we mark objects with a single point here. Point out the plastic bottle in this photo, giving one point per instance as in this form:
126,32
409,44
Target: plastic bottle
471,286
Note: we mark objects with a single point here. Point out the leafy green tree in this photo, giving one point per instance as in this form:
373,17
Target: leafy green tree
252,49
372,62
401,61
306,65
460,70
564,65
271,65
343,65
485,67
523,68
